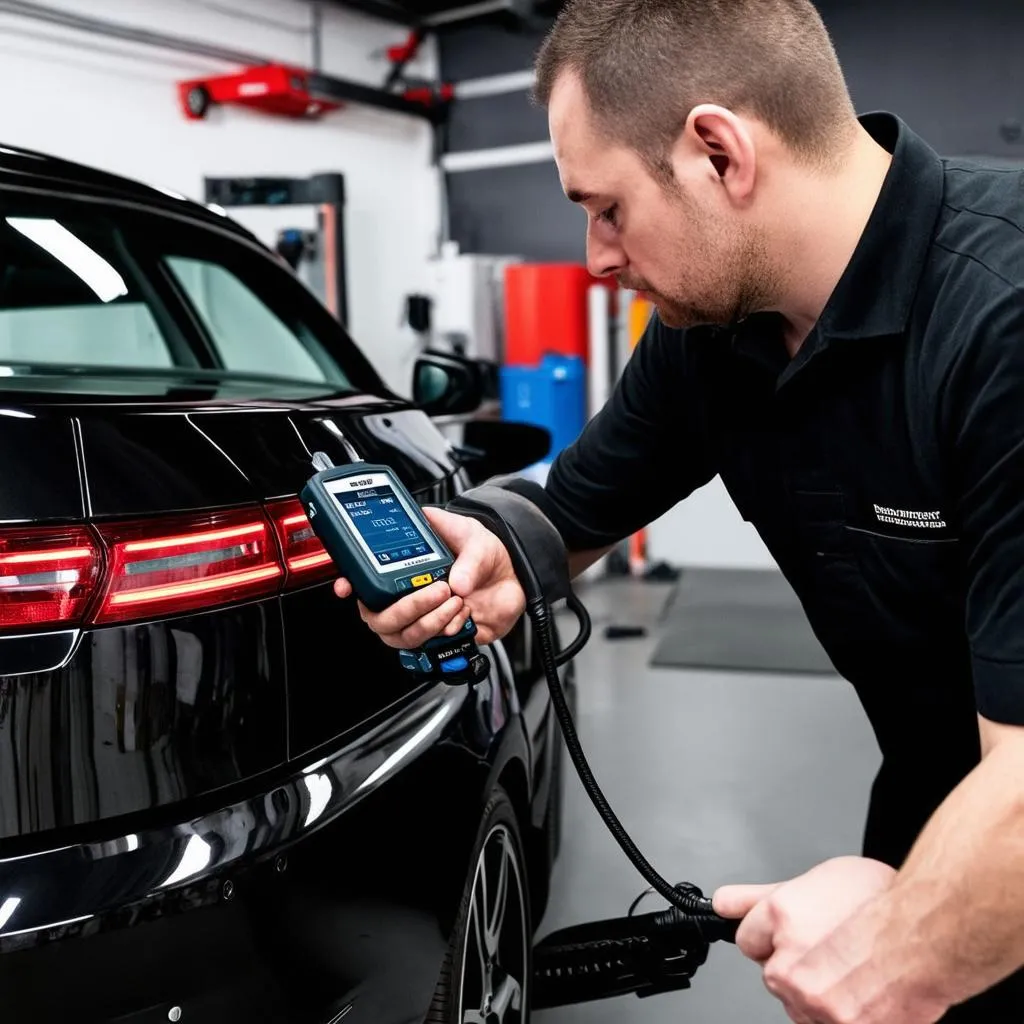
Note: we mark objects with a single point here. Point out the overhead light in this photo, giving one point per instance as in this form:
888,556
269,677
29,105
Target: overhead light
82,261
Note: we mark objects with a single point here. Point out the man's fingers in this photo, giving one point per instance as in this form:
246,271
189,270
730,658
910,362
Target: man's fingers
458,622
453,529
755,937
430,625
342,588
735,901
408,610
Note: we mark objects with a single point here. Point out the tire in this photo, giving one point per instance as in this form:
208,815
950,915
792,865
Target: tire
198,101
468,992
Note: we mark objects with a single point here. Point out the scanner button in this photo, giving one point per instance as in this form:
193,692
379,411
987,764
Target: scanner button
439,574
422,581
459,664
403,585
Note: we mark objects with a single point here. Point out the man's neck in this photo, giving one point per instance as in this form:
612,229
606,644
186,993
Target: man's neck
826,224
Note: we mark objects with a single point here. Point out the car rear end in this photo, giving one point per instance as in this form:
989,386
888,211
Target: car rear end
207,809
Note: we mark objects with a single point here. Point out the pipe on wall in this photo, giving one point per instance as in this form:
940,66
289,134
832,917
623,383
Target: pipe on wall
380,9
129,33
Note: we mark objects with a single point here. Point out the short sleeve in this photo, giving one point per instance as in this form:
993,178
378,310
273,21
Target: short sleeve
641,454
985,409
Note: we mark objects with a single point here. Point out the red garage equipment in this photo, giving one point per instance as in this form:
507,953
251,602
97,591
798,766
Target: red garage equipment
273,88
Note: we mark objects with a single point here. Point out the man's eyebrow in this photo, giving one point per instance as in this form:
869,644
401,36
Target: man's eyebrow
576,196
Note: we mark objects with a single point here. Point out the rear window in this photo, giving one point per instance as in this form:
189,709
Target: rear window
94,289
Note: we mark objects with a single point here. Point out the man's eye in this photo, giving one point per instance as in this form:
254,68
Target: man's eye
609,215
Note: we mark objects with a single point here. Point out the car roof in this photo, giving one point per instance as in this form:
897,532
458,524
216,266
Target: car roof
28,168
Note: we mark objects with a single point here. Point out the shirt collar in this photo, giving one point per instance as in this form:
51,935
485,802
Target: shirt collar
876,292
875,295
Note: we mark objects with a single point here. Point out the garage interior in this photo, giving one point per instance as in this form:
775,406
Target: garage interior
410,183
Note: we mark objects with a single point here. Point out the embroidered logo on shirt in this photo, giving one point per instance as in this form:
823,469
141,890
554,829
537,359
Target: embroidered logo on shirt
905,517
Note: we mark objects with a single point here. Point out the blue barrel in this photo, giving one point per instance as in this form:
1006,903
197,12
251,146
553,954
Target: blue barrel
551,395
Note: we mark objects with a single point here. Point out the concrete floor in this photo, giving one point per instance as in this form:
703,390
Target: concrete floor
719,777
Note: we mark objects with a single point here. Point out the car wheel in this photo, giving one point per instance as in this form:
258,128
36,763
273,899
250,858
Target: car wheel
198,100
489,964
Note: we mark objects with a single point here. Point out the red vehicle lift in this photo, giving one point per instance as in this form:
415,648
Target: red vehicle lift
298,92
274,88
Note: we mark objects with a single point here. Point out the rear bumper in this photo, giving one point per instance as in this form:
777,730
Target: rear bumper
290,905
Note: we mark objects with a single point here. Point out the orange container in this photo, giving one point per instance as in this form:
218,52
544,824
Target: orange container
546,311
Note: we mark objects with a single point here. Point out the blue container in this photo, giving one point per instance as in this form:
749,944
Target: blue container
551,395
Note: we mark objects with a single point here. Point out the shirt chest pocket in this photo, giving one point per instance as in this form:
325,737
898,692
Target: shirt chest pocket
901,572
918,581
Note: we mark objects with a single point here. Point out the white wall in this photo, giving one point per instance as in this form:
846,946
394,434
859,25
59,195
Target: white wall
114,105
707,531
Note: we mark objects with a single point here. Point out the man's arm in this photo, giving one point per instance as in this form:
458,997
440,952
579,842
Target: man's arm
644,452
950,923
956,908
580,561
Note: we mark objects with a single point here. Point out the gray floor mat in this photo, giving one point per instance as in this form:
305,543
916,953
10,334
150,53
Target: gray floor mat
738,620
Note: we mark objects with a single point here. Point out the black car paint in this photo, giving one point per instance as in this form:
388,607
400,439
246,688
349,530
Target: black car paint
120,744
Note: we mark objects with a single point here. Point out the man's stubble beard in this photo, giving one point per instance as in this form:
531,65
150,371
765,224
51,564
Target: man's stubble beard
740,281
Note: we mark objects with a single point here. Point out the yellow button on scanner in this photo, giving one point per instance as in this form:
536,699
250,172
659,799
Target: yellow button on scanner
422,581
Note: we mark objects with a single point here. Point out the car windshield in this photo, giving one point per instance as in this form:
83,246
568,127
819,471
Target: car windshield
92,295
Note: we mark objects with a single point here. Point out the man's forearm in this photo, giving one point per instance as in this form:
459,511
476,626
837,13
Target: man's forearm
952,924
580,561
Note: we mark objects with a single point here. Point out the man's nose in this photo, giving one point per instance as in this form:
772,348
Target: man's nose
604,258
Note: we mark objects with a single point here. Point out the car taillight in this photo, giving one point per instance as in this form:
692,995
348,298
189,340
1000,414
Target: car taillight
304,555
196,562
47,576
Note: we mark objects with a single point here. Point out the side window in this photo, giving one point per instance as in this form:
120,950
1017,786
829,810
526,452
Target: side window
65,301
248,335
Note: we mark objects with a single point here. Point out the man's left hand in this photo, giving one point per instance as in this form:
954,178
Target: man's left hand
818,940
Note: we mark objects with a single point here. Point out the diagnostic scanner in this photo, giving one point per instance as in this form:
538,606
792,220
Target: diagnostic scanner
378,537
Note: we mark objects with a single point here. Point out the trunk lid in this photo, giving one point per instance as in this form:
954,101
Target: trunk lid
153,713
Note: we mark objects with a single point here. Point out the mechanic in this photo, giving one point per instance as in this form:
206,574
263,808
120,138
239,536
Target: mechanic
840,337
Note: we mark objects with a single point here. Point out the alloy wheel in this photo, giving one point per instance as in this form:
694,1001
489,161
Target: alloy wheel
494,986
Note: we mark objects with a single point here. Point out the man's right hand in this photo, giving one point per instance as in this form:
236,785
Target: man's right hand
481,583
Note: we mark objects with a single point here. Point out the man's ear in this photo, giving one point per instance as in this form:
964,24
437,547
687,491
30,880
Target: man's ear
716,141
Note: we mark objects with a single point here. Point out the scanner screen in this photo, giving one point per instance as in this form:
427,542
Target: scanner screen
387,529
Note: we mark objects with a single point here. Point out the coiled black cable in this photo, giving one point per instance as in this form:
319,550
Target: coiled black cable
687,898
570,652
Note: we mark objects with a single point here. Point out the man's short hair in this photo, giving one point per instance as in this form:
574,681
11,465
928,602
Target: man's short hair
645,64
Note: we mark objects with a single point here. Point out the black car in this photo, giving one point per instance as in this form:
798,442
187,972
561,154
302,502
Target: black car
221,797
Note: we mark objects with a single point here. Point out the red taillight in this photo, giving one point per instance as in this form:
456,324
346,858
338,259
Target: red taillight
304,555
46,576
154,568
198,562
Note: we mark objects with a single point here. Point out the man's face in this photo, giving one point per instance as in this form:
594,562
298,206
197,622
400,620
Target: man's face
677,244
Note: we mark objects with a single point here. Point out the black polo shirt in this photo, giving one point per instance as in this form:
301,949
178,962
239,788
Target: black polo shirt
883,466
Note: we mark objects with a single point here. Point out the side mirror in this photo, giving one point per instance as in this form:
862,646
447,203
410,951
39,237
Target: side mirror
444,384
500,447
